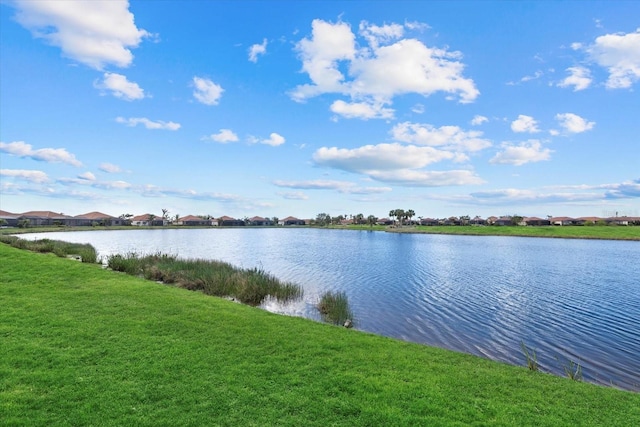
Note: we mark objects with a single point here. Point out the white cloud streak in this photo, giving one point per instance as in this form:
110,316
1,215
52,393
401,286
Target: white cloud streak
579,78
49,155
518,155
38,177
109,168
223,136
572,123
149,124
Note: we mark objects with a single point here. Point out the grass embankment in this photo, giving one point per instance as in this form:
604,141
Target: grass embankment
86,346
568,232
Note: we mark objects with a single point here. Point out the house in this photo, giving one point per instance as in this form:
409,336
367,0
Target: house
259,221
290,220
428,221
477,221
192,220
492,220
227,221
535,221
97,218
46,218
503,220
8,219
588,220
621,220
384,221
148,220
561,220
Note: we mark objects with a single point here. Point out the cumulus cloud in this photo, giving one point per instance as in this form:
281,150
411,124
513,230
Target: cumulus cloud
257,49
206,91
525,124
223,136
149,124
421,178
38,177
120,87
109,168
525,152
629,189
445,137
478,120
572,123
49,155
274,140
579,78
371,158
387,66
95,33
620,54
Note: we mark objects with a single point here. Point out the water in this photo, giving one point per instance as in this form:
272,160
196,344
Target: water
570,300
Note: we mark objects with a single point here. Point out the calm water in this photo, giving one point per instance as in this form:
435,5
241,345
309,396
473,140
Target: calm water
567,299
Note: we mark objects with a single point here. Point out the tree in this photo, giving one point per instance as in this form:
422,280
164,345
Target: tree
151,217
371,220
24,223
323,219
275,220
516,220
410,214
176,218
165,214
399,214
359,218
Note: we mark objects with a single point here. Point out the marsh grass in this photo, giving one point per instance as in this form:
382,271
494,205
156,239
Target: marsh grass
86,252
334,308
249,286
572,369
530,356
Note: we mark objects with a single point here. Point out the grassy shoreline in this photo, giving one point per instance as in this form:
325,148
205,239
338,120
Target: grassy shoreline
87,346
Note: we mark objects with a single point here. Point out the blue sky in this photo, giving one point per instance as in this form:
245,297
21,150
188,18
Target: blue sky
278,108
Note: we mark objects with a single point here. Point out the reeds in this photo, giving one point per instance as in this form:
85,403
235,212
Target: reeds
530,356
249,286
334,308
84,251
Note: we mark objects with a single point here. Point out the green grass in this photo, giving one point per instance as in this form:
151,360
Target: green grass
84,251
85,346
572,232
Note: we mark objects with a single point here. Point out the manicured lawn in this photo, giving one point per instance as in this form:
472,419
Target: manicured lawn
84,346
574,232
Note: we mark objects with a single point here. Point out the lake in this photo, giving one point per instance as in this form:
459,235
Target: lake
567,299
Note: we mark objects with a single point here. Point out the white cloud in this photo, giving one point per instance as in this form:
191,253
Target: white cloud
49,155
149,124
206,91
294,195
38,177
95,33
525,124
419,178
274,140
257,49
87,176
418,109
573,123
620,55
579,78
109,168
361,110
120,87
446,137
478,120
340,186
223,136
518,155
388,66
379,157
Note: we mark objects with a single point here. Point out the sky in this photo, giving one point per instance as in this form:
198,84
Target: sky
282,108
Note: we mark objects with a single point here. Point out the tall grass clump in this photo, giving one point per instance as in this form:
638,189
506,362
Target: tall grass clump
572,369
84,251
249,286
530,356
334,308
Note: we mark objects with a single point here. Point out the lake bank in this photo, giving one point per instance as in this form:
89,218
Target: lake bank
82,345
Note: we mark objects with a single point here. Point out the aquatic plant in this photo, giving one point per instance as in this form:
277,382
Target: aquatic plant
85,252
334,308
531,358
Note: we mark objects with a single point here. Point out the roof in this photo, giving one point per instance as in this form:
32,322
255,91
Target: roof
257,218
5,214
226,218
192,218
290,218
145,217
94,215
45,214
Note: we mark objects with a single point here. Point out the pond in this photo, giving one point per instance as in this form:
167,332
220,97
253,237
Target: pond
570,300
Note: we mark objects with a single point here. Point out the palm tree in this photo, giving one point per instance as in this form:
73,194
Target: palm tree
410,214
151,217
371,220
165,213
